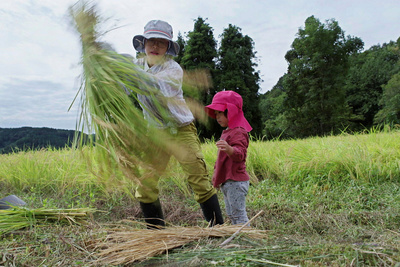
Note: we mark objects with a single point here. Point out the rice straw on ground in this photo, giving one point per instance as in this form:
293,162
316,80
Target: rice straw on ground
136,245
19,217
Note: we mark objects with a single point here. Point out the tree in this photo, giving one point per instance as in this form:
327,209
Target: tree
318,64
390,112
236,72
272,110
201,47
390,101
181,42
200,54
368,72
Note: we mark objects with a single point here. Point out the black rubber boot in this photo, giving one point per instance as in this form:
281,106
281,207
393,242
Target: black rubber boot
212,211
153,214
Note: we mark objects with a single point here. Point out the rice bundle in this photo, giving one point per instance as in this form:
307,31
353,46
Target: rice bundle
106,109
121,132
124,247
18,217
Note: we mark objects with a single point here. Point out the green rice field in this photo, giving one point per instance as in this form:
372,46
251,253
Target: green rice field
326,201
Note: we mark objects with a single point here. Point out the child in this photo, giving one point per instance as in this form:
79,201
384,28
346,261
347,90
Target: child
166,77
230,168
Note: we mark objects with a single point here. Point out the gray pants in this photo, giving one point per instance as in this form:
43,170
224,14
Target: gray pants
235,200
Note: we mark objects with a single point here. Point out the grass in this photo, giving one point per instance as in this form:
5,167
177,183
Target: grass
326,201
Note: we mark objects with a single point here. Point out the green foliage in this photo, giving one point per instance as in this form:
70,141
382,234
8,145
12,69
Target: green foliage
200,49
236,72
318,63
271,105
390,102
317,79
369,71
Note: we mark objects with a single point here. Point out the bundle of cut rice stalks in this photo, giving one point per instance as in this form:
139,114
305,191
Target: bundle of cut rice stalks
136,245
122,135
18,217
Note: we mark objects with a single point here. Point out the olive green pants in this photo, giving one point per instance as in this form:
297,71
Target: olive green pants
184,145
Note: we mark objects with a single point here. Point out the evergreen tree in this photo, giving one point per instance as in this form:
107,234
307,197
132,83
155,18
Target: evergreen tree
181,42
318,63
200,50
237,72
200,54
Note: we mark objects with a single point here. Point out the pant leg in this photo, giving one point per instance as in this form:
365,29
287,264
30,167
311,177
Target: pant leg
228,208
148,191
235,193
191,159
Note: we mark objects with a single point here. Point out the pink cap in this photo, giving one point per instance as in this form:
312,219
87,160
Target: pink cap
233,102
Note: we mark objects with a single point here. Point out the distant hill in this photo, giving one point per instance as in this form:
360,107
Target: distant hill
14,139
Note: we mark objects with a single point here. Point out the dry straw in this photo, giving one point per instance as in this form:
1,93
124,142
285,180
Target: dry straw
136,245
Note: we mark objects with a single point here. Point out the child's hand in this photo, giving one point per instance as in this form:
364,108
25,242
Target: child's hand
225,147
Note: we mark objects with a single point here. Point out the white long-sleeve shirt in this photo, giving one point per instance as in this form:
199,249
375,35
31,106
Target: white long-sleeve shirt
167,79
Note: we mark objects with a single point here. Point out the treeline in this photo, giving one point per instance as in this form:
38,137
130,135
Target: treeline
26,138
331,85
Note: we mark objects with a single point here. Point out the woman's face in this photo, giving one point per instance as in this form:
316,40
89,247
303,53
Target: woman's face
221,118
155,49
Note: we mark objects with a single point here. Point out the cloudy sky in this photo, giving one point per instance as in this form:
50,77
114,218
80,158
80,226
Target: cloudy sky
39,62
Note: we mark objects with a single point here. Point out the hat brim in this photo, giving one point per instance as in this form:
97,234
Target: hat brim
211,108
138,43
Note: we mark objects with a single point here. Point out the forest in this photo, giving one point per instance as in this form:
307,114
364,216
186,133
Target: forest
29,138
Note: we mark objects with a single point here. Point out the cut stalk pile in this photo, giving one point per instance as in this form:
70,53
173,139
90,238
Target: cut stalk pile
18,218
124,247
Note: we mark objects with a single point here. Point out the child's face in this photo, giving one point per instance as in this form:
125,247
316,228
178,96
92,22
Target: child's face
221,118
155,49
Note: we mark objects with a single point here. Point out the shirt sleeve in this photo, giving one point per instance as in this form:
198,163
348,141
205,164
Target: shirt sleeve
169,81
240,143
166,79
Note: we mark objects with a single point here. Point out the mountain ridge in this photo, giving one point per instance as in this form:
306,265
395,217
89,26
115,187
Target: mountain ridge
23,138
